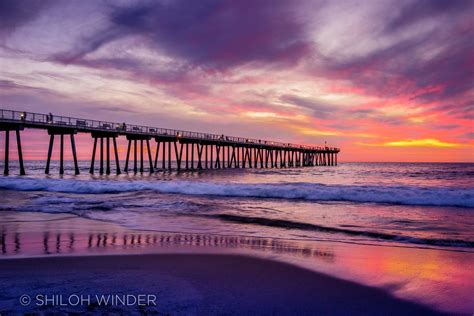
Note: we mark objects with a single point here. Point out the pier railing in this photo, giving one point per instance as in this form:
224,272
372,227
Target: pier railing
49,120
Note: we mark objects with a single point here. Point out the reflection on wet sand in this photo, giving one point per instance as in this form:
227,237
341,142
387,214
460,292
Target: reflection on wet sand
60,243
435,277
2,242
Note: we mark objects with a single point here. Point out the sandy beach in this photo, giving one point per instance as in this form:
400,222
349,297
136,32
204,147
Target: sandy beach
191,274
194,284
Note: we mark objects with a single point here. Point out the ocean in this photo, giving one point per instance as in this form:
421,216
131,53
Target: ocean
428,205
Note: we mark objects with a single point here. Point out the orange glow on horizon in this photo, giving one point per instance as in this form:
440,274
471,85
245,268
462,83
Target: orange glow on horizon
428,142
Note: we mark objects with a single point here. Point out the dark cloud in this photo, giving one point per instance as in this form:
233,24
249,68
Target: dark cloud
324,111
87,46
15,13
398,71
176,80
211,34
41,100
461,110
373,114
445,126
361,113
140,69
10,85
415,11
320,110
469,135
111,109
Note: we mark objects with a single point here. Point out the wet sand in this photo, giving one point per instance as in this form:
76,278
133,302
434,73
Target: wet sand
60,254
193,284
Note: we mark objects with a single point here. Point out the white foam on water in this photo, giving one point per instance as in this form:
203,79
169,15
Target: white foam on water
406,195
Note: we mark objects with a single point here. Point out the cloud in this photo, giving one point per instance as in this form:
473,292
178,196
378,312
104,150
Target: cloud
327,111
424,53
14,14
419,10
111,109
445,126
422,57
319,109
307,68
460,109
10,86
469,136
211,34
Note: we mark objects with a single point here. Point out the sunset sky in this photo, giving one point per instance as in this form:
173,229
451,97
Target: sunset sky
383,80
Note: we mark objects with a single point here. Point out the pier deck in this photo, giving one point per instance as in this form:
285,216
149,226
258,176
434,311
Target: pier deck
212,151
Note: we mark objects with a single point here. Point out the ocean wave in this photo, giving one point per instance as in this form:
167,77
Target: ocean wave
405,195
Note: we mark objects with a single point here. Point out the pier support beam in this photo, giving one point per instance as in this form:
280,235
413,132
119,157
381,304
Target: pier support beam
107,169
157,154
149,155
127,158
218,159
17,128
131,138
163,160
199,152
7,151
101,169
61,132
74,155
169,155
178,154
187,157
101,137
141,156
135,162
50,151
192,156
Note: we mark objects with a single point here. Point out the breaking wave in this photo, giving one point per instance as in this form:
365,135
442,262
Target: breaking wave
405,195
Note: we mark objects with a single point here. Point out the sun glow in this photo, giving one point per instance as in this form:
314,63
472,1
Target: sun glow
428,142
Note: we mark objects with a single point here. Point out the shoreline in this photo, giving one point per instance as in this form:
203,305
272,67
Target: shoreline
421,276
196,284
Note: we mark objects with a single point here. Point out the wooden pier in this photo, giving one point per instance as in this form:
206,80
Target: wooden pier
192,150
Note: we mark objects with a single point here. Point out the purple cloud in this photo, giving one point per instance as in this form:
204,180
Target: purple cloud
14,14
429,58
320,110
212,35
412,50
415,11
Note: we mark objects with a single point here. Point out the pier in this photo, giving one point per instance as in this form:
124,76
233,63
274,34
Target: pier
192,150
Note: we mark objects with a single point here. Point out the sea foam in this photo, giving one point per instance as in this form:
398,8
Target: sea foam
406,195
